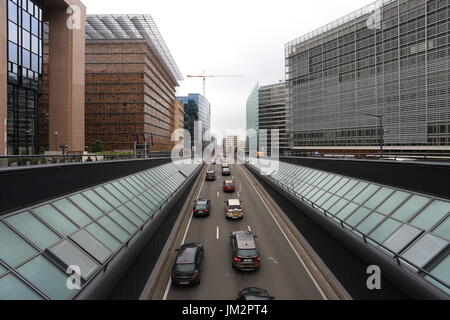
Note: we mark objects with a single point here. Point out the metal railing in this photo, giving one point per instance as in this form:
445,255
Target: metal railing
387,155
36,160
367,240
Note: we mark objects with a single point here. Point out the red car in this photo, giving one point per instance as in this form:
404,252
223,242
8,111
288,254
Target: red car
228,186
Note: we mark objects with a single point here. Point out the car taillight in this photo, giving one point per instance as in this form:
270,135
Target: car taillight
206,210
258,259
236,259
195,275
194,210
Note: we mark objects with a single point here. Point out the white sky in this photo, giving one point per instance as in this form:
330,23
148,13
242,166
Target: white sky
244,37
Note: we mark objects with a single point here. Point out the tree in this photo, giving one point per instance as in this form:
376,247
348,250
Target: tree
97,146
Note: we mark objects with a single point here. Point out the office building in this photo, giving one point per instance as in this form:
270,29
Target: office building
131,80
197,109
21,60
230,145
389,61
267,110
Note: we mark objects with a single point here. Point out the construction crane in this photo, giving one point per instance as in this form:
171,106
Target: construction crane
204,76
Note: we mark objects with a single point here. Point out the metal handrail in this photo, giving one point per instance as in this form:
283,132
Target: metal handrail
343,224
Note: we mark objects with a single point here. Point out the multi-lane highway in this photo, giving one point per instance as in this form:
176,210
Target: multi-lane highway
283,273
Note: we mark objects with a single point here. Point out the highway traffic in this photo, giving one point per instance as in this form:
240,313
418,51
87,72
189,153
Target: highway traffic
283,272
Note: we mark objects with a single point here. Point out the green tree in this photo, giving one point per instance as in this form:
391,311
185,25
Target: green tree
97,146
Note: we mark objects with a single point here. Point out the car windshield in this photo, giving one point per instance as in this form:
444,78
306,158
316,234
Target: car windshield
185,267
200,206
234,207
228,184
247,253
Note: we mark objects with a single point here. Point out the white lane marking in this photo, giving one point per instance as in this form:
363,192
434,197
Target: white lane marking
169,283
287,239
218,194
217,233
249,229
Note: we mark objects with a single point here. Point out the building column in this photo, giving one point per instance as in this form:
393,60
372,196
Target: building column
3,77
66,78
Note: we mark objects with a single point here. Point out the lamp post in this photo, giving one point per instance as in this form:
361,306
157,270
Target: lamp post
56,140
381,129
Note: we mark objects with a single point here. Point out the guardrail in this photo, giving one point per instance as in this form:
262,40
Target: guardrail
443,156
366,239
35,160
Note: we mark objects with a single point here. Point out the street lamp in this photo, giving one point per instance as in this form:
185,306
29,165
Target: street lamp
56,140
381,129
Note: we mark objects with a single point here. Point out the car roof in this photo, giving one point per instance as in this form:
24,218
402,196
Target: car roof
202,201
187,254
210,171
228,181
234,202
245,240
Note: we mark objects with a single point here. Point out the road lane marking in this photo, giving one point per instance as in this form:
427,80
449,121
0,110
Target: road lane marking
218,193
287,239
217,233
169,283
249,229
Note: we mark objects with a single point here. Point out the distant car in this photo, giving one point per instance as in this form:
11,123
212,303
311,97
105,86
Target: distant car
201,208
210,176
233,209
187,267
228,186
254,293
226,171
245,254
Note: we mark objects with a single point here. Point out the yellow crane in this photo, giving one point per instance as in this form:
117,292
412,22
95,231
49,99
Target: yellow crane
204,76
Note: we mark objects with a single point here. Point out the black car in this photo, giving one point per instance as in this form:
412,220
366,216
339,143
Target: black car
245,254
202,208
210,176
254,294
186,269
226,171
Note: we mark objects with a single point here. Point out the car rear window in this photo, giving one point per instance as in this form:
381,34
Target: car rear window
229,184
185,267
247,253
234,207
200,206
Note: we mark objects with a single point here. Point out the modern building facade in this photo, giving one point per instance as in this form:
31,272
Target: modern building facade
389,60
267,110
251,119
230,145
272,115
197,109
21,64
130,84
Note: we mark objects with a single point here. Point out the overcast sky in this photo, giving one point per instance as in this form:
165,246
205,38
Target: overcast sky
244,37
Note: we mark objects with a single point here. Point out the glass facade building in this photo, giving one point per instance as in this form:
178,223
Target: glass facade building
196,108
24,71
252,109
390,58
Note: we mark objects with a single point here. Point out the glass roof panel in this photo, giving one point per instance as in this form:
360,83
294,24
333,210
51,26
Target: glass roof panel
108,196
366,194
334,209
393,202
91,245
87,206
425,249
378,198
55,219
113,228
11,288
443,230
401,238
370,222
355,190
136,210
70,255
383,231
104,237
347,210
357,216
123,190
98,201
116,193
433,213
123,222
34,230
72,212
440,271
410,208
13,249
47,277
2,270
130,215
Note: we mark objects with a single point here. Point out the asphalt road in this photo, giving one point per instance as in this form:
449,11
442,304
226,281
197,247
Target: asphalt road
281,272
